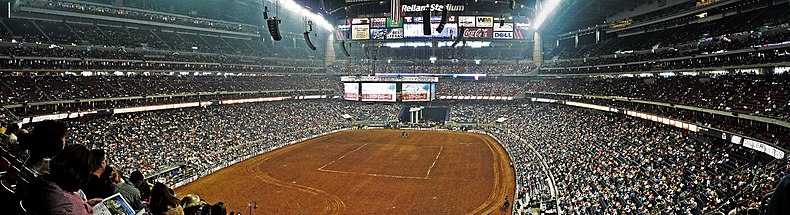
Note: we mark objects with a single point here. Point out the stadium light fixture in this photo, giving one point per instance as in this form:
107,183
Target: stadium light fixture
546,11
317,19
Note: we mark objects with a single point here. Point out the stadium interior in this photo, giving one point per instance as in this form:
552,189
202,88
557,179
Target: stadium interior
602,107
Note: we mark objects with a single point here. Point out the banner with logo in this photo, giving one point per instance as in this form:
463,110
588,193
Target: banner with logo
506,27
466,21
394,24
503,35
360,21
360,32
415,31
378,22
478,33
386,33
484,21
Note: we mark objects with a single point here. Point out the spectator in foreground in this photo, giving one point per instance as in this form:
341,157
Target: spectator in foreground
49,137
56,193
780,200
139,182
163,202
128,191
97,188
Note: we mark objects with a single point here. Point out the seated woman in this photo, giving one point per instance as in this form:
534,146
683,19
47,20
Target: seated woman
163,202
56,192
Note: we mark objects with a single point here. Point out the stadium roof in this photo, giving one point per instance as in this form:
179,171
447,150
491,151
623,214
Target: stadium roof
571,15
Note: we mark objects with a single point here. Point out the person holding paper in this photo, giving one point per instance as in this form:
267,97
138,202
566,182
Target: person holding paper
56,193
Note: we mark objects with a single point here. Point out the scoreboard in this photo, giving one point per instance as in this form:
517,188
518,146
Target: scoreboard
389,89
411,28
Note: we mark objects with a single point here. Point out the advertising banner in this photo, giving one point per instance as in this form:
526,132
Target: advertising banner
503,35
351,91
506,27
466,21
378,92
393,24
378,22
484,21
415,31
478,33
360,32
360,21
386,34
416,92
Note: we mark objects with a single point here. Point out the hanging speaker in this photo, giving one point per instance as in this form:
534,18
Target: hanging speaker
442,22
307,40
343,47
512,4
460,35
501,20
426,22
274,29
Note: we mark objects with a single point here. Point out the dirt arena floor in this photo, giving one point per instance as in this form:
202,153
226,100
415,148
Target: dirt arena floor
368,172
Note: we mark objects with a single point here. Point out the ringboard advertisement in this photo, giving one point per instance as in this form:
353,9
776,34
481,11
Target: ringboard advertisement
416,92
351,91
378,92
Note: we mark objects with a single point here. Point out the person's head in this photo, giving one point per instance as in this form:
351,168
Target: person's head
71,168
99,160
108,177
219,209
117,176
12,129
136,177
49,137
162,199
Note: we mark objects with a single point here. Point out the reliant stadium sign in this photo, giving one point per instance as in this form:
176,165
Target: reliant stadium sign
432,7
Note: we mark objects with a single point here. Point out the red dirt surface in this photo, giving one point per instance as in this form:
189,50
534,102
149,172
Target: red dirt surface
368,172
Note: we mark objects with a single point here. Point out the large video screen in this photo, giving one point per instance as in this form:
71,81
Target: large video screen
416,92
351,91
378,92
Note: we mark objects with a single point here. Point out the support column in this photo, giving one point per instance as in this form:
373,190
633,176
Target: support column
537,52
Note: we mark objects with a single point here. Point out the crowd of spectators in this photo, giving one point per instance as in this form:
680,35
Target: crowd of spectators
29,88
164,146
110,10
603,163
753,29
627,165
426,67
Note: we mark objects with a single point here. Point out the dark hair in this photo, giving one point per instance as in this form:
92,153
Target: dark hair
136,176
219,209
71,168
12,128
99,156
47,139
161,199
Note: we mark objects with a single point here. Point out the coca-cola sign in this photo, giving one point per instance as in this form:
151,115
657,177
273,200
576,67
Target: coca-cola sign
478,33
